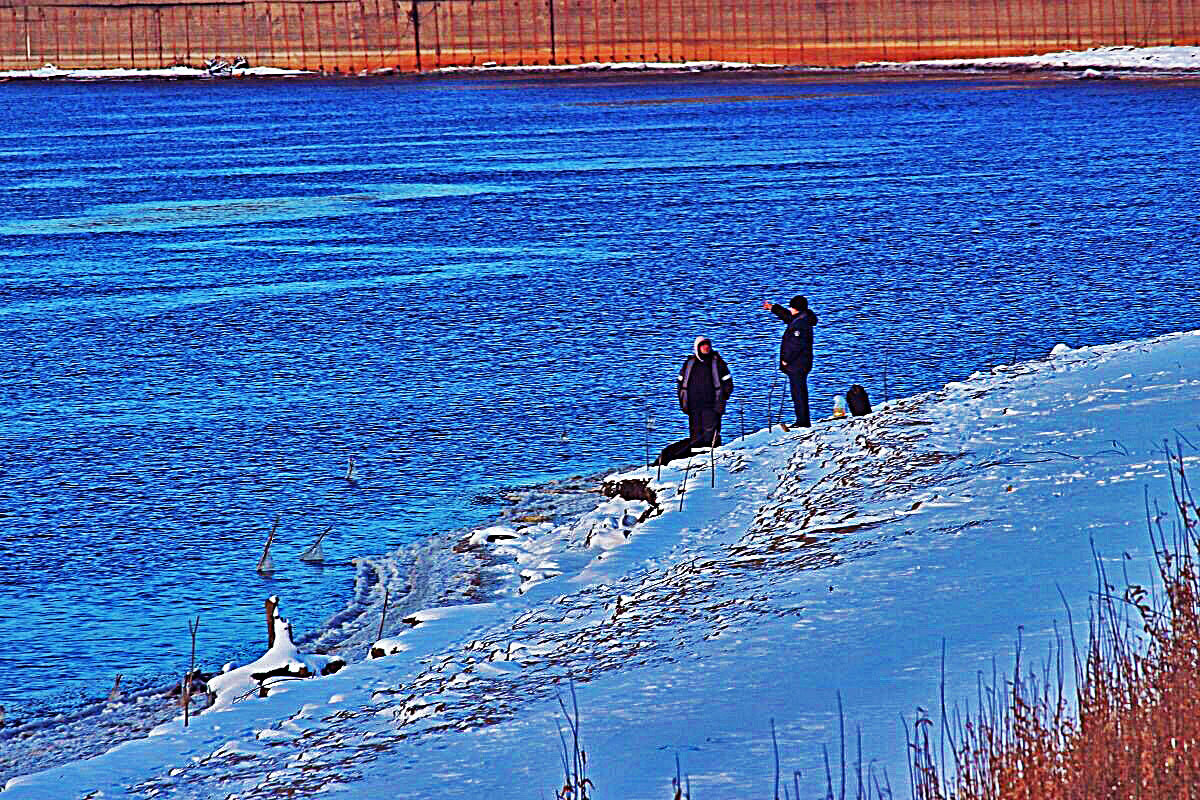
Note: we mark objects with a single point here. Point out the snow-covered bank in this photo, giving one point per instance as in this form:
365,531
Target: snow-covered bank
1092,63
834,559
51,72
617,66
433,572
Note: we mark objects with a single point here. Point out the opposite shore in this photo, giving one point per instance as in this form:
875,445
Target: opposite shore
1101,62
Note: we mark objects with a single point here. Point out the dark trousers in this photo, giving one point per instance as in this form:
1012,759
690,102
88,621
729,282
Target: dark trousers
799,384
703,425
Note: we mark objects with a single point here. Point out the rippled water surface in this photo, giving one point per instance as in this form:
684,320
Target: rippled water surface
215,294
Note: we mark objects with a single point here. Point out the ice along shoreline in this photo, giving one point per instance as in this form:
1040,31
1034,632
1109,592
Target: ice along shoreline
439,571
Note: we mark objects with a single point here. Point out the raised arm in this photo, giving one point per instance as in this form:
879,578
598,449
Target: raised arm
784,315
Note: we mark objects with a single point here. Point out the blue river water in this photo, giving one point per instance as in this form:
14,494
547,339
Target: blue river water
214,294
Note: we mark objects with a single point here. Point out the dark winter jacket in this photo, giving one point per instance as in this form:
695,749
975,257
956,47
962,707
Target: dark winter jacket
704,382
796,349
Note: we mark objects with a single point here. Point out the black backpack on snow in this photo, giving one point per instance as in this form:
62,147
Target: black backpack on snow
857,400
673,451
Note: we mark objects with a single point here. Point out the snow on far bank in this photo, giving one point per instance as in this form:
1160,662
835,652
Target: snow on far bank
51,72
1094,63
617,66
1163,59
839,559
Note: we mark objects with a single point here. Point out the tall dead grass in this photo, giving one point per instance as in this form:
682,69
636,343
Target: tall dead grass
1132,727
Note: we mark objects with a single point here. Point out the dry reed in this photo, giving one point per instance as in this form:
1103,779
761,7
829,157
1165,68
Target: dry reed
1134,730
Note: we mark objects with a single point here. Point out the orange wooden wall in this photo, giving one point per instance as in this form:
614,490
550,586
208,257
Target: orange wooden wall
350,36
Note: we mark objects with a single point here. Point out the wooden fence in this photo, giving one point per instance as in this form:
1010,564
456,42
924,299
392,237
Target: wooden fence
351,36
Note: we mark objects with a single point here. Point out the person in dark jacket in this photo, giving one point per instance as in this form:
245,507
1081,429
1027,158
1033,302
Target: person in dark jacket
704,385
796,351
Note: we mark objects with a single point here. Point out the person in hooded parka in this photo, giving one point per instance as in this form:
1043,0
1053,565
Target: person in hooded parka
796,351
704,388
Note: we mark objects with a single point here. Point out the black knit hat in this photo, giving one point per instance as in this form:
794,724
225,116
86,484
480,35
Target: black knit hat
799,302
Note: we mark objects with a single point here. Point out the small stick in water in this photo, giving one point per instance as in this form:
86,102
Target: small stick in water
646,436
193,627
383,616
313,553
114,694
186,697
264,563
742,416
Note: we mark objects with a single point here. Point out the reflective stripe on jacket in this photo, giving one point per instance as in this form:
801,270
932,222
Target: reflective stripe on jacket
722,382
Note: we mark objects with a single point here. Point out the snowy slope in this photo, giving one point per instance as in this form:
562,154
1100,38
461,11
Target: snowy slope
832,560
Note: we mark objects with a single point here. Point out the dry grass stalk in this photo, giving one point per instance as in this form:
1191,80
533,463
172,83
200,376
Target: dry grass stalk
576,784
1136,729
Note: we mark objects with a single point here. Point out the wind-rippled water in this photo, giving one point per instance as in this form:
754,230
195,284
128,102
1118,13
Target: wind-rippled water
215,294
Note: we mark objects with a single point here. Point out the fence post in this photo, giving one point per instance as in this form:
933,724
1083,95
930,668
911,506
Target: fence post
416,25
